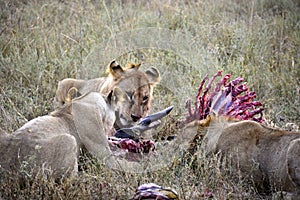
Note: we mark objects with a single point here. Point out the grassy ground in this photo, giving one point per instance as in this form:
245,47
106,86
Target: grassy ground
42,42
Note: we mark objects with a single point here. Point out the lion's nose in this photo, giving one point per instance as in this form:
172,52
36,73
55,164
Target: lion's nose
135,118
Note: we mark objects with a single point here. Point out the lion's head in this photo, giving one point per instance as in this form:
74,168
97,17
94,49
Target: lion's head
137,86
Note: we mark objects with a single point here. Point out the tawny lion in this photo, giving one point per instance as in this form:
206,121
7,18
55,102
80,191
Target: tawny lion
225,118
52,142
270,156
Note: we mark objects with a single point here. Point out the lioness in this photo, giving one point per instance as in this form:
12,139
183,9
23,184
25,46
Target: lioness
53,141
136,84
270,156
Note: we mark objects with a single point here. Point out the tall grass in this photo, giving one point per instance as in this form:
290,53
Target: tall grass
42,42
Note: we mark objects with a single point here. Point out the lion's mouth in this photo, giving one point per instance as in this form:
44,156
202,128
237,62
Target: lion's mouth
128,147
128,140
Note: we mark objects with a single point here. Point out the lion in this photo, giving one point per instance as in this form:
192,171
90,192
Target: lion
270,156
88,113
137,85
51,144
53,141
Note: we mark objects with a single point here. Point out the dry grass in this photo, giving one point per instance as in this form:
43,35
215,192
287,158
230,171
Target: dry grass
42,42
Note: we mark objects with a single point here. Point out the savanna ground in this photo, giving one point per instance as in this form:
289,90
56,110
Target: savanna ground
42,42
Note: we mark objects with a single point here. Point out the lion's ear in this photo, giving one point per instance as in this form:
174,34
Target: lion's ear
72,94
153,75
115,69
132,66
116,95
206,122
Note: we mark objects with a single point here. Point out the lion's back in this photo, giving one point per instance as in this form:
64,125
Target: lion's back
276,152
43,127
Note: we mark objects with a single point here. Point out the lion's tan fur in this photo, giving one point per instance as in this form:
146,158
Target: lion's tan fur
53,141
270,156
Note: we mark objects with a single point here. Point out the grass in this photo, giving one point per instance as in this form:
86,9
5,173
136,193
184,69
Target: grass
42,42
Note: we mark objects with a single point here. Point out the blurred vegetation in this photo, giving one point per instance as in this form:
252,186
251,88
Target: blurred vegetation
42,42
